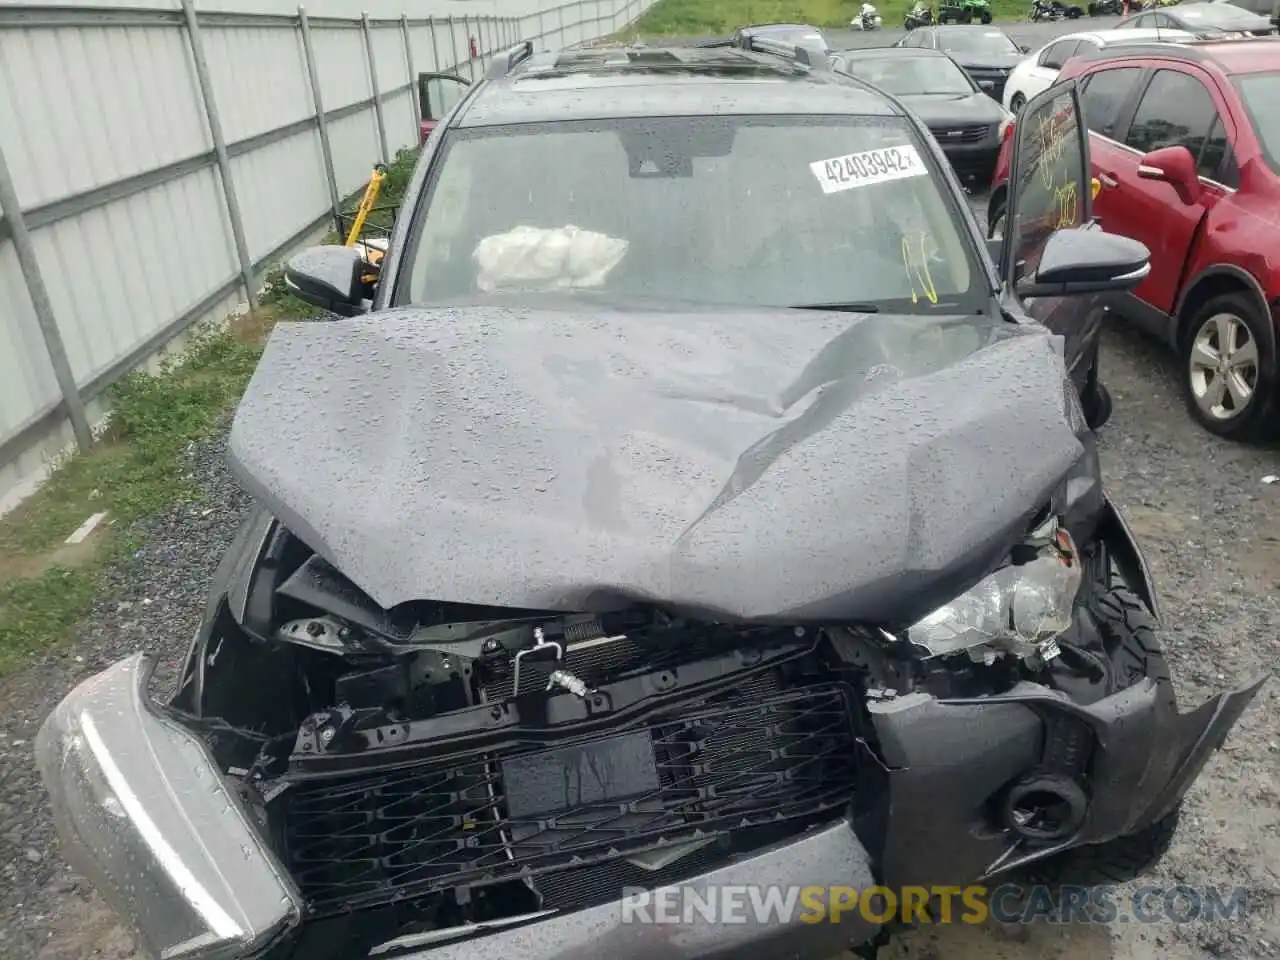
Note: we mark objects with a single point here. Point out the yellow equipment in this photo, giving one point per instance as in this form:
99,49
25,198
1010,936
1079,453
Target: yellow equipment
372,254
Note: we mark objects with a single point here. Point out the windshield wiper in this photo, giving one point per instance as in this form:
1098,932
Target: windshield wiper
838,307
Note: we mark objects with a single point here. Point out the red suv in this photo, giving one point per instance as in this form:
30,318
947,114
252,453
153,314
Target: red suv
1185,149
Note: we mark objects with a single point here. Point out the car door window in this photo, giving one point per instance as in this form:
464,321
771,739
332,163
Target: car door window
1049,178
1215,161
1104,94
1176,110
1058,53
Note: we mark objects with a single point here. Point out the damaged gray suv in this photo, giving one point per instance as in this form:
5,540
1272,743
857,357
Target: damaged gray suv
688,499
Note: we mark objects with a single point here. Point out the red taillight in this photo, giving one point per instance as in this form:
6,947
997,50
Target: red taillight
1006,129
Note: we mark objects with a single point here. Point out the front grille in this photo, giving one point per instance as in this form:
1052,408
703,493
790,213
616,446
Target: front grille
961,133
761,756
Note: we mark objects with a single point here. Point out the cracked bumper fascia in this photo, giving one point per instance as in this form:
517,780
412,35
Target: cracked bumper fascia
1147,756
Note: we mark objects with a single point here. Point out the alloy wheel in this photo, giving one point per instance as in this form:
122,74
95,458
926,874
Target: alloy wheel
1223,367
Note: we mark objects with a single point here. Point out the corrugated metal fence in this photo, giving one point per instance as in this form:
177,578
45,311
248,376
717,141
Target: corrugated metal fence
153,163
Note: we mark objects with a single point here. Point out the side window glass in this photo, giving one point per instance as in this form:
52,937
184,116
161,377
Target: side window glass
1104,94
1059,54
1229,174
1050,191
1215,161
1176,110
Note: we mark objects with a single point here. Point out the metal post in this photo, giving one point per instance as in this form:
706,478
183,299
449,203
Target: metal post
373,86
413,74
435,47
331,177
466,42
563,41
39,293
220,150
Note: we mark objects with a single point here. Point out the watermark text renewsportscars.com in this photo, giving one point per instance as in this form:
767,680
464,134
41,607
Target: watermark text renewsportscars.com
1008,904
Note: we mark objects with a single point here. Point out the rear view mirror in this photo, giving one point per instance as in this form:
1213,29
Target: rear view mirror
1085,259
1024,48
1174,166
329,277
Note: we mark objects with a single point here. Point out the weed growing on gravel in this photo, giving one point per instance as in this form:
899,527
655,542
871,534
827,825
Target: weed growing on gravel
136,469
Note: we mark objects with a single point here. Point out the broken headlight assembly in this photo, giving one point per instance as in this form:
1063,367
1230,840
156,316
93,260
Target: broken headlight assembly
144,815
1019,609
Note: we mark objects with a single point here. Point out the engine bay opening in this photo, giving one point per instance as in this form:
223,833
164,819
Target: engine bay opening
433,771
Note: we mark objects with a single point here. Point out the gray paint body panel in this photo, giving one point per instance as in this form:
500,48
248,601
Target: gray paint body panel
786,465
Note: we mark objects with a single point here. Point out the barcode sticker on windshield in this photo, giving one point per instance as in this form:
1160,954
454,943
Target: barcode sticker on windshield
867,167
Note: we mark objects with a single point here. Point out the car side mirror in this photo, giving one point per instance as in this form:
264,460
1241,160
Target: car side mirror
1174,166
1024,48
329,277
1086,259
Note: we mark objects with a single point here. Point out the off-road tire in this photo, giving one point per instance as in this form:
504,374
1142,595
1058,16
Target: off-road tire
986,16
1129,633
1257,421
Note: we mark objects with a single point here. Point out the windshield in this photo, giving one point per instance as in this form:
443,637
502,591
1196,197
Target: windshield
905,76
740,211
977,41
1261,95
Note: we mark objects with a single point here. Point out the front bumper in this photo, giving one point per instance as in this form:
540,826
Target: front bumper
972,162
143,812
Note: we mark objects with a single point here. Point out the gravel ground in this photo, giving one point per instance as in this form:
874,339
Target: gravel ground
1211,530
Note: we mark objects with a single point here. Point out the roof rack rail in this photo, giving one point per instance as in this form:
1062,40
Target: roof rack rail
504,63
792,51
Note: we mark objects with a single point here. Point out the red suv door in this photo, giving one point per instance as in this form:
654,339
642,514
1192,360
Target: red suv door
1178,104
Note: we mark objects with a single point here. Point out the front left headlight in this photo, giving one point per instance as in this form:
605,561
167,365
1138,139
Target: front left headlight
1020,609
143,813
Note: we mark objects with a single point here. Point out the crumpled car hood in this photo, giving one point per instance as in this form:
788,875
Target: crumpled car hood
767,465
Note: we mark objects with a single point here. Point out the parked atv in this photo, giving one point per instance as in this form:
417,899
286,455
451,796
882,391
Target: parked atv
921,15
1052,10
964,11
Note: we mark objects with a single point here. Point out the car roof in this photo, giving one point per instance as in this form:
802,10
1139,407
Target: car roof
875,53
1112,37
961,27
608,82
1133,34
1244,55
778,28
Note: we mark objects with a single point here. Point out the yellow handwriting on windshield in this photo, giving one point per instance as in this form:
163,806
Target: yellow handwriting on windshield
1053,144
915,258
1067,198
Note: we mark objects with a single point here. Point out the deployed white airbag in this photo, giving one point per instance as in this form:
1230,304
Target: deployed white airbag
542,259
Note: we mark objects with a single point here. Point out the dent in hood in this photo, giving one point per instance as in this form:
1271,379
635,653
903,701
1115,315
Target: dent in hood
758,465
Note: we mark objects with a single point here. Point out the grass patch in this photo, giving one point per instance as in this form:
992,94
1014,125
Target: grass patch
699,18
135,470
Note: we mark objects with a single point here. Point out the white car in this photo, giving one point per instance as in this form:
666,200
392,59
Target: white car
1039,70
